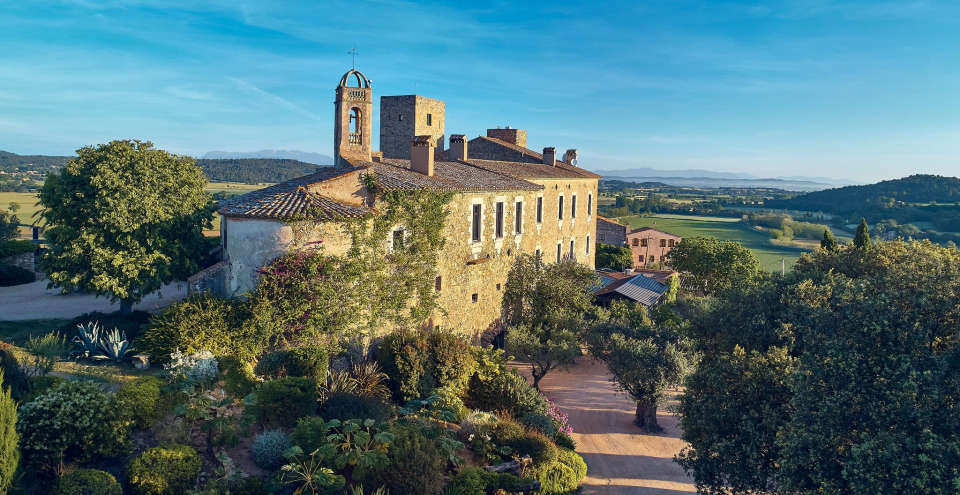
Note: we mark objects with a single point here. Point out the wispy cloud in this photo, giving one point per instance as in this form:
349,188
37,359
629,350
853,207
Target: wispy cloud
190,94
252,89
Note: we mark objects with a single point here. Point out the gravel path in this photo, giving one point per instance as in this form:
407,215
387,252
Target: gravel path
621,459
35,301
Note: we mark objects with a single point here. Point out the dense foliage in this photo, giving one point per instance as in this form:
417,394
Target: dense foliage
712,266
9,451
415,465
123,219
86,482
201,322
14,275
139,400
494,388
418,362
840,378
285,400
72,422
9,228
164,470
613,257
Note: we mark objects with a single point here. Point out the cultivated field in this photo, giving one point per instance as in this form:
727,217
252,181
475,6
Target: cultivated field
724,229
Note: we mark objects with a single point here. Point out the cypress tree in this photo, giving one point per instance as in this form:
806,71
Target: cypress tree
9,449
862,238
829,242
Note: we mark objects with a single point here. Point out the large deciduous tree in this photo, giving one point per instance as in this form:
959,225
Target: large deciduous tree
544,306
123,219
711,265
842,377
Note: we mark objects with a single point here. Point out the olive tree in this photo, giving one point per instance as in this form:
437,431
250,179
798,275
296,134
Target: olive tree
124,218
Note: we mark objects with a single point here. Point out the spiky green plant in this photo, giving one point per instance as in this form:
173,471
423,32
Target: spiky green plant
87,343
114,345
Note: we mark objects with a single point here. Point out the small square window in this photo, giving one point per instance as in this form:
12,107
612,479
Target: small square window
401,117
498,286
429,119
438,284
475,297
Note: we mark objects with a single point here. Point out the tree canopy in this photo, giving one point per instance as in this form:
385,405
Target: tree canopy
613,257
711,265
829,242
123,219
862,238
841,377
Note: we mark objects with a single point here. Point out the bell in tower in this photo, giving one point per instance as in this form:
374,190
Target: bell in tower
353,128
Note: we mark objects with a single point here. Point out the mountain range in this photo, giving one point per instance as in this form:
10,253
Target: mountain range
303,156
707,178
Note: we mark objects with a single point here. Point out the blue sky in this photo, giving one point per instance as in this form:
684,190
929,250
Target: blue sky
863,90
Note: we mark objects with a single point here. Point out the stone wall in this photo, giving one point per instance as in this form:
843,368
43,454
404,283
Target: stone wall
473,275
215,279
27,261
404,117
484,149
610,232
514,136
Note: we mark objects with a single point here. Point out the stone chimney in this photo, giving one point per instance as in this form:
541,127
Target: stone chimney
570,157
550,156
376,156
421,155
629,271
458,147
510,135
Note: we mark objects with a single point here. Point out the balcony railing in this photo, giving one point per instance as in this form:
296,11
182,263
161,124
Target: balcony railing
356,138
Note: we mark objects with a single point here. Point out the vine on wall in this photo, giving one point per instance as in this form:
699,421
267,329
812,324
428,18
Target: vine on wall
311,295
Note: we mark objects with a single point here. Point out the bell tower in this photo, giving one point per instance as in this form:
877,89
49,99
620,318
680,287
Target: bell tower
353,129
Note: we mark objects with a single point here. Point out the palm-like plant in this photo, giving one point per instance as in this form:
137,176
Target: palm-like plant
370,380
337,382
309,473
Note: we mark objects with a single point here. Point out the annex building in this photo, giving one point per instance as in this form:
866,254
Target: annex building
508,200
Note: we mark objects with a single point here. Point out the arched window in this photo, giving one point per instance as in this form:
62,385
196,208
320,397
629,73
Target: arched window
355,116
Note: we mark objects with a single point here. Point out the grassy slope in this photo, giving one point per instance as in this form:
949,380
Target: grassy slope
724,230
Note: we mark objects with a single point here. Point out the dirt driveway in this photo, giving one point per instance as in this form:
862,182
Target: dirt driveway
621,459
34,301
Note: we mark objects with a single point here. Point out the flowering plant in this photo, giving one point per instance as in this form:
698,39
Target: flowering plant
558,417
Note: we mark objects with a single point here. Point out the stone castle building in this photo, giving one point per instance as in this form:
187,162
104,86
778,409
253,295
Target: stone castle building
508,200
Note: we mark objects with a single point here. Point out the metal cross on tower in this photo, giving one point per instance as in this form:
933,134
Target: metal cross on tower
354,53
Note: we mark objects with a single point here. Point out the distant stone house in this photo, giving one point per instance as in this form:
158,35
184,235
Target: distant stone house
650,246
611,232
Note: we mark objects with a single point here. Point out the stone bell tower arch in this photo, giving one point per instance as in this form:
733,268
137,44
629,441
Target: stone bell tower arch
353,122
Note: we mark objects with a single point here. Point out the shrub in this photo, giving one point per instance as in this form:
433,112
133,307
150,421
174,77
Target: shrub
201,322
415,465
536,445
14,275
540,423
164,470
564,441
405,358
74,421
557,479
130,324
139,399
285,400
268,449
310,434
200,367
479,481
448,399
573,460
452,362
478,422
346,406
86,482
507,431
15,247
13,377
238,377
9,453
308,361
273,364
505,391
39,385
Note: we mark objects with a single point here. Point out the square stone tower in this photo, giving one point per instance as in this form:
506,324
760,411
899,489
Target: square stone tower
403,118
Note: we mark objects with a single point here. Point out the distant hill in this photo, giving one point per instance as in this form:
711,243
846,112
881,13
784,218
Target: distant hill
11,162
707,178
254,170
917,198
303,156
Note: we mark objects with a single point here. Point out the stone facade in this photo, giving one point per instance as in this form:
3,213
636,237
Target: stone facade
610,232
650,246
487,149
468,268
353,114
404,117
510,135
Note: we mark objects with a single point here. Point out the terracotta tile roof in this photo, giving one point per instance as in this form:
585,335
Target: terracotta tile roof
292,198
526,170
395,174
605,219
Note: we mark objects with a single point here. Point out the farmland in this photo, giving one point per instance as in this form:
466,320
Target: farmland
724,229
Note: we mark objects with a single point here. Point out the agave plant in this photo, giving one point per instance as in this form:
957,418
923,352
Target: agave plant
87,344
114,346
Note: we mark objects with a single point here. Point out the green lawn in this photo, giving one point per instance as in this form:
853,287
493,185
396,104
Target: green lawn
723,229
18,332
